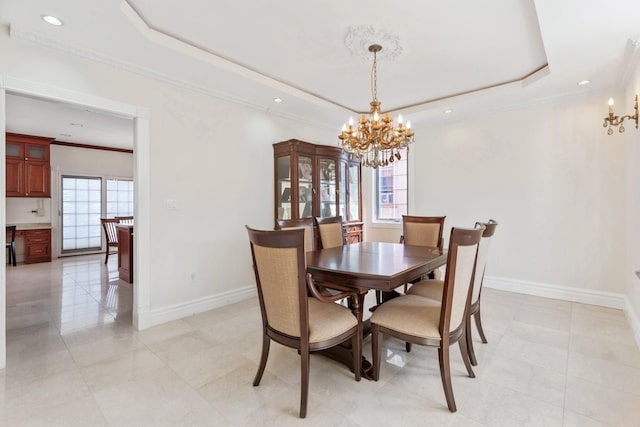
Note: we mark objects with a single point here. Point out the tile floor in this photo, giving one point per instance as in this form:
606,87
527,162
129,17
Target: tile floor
73,359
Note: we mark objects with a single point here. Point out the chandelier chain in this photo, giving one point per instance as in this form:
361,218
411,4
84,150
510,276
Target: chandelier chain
374,77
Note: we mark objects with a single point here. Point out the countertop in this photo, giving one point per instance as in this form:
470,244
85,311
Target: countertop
33,226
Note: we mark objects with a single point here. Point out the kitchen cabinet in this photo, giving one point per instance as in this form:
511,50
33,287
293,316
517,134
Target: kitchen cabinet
37,246
28,171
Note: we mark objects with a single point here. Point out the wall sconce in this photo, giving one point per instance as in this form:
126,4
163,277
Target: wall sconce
614,120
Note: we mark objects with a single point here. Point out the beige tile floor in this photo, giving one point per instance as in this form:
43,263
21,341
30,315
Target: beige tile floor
73,359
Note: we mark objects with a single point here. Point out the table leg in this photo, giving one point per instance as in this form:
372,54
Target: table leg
343,353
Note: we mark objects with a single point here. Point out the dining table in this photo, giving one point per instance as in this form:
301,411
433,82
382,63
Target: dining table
364,266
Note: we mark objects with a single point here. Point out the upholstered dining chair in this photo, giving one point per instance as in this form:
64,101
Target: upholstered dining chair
109,227
11,244
440,324
331,231
419,231
433,288
422,230
306,224
289,316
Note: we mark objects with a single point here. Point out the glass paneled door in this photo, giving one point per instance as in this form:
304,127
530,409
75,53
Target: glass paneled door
328,188
81,209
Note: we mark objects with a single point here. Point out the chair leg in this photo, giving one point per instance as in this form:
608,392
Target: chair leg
476,315
356,348
407,347
13,254
304,383
106,255
469,341
263,359
465,356
445,374
376,351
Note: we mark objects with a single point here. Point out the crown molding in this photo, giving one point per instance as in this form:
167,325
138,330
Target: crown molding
40,40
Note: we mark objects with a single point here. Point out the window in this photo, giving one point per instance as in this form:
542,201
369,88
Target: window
119,197
391,190
81,208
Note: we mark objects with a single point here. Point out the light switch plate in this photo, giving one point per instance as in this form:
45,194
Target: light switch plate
172,204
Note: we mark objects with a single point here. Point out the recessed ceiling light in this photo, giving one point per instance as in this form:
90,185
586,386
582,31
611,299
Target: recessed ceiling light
50,19
584,82
448,111
277,99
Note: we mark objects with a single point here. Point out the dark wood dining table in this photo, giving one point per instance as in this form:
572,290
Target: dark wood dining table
370,265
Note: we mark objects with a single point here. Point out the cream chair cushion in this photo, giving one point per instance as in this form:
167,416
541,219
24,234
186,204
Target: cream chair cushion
331,235
328,320
410,314
428,289
421,234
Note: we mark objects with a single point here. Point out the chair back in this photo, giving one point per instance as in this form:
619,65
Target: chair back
422,230
279,266
125,220
11,229
483,253
461,262
306,224
331,232
109,226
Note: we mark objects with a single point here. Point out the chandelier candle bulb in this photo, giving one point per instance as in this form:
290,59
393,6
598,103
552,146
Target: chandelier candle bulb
610,105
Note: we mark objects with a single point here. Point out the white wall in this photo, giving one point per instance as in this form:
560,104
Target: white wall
548,174
82,162
632,155
212,156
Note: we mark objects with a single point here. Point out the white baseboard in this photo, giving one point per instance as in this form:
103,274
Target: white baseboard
633,320
189,308
565,293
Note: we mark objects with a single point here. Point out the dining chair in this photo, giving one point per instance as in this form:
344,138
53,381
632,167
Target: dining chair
422,230
125,220
418,231
434,288
306,224
289,316
440,324
331,231
11,244
109,227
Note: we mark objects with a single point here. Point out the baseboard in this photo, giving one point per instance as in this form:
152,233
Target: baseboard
189,308
633,320
565,293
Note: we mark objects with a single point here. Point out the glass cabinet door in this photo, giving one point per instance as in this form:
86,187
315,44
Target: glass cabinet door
305,187
354,193
328,187
342,190
283,199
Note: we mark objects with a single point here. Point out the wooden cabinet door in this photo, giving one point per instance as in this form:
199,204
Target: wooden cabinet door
37,179
37,246
15,178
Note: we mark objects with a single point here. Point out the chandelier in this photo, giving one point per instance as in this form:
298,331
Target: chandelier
375,140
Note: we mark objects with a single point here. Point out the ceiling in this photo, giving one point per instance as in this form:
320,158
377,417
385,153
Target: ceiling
467,56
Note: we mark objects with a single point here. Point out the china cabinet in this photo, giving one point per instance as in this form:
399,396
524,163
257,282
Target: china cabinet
317,181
